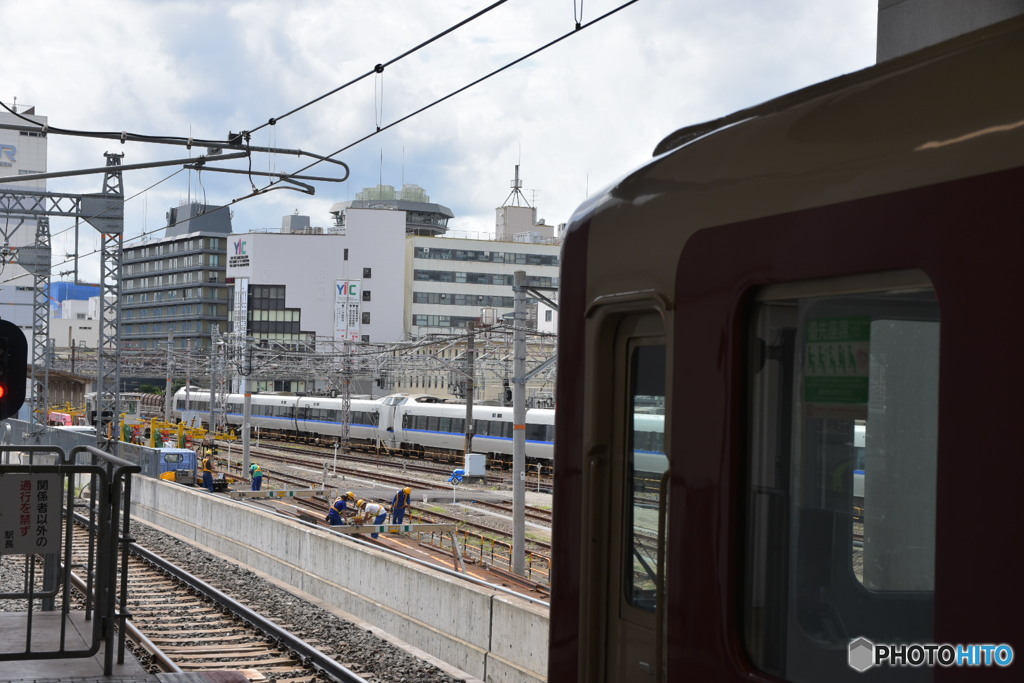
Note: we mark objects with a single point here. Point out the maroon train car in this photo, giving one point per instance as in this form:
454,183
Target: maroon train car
817,300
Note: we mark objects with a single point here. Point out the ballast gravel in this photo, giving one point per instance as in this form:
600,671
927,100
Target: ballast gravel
353,646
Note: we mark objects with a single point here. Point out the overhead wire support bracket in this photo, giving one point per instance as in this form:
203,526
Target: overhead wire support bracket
126,167
233,144
280,176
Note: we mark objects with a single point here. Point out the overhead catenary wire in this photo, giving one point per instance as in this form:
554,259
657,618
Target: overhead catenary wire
329,158
381,129
379,68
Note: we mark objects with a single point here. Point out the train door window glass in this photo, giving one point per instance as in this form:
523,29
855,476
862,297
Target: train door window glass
644,470
840,535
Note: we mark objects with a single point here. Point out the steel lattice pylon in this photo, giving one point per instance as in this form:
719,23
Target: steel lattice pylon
108,395
41,327
105,212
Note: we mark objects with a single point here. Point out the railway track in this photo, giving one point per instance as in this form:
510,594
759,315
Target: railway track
541,481
489,543
537,514
179,623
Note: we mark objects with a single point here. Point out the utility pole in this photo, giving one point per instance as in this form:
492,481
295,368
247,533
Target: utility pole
246,419
346,397
168,394
245,347
519,425
470,353
188,376
214,335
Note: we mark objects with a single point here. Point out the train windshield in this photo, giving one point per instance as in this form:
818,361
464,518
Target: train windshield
842,471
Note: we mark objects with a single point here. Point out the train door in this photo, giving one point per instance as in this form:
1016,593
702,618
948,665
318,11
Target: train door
389,427
633,559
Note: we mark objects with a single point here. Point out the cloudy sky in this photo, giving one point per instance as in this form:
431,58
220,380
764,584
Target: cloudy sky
575,117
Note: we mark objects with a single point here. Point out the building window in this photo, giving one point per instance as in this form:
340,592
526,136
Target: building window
547,316
367,273
366,338
366,295
366,317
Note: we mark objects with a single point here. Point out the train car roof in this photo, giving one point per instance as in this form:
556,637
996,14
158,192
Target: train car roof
952,110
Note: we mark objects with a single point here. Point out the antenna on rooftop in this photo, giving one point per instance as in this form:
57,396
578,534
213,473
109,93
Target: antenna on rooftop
517,191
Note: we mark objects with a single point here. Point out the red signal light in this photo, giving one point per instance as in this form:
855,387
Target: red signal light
3,391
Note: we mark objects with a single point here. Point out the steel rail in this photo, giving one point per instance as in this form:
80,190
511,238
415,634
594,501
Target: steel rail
289,640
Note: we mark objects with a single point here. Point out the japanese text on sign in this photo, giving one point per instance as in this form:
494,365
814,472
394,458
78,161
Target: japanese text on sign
30,513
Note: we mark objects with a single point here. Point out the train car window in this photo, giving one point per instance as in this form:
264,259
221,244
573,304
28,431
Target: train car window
840,534
646,462
535,432
444,424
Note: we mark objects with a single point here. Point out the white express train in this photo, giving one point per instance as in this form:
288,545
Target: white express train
412,423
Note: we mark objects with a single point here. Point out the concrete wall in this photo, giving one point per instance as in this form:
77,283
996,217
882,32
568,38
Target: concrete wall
490,635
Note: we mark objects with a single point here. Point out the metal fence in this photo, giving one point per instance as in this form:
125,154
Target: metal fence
44,554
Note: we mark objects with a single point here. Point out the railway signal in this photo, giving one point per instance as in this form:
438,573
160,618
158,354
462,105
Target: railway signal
13,361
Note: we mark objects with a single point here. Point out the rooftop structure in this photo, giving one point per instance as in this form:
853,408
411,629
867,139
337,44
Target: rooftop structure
421,216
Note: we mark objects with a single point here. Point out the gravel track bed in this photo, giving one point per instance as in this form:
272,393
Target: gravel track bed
354,647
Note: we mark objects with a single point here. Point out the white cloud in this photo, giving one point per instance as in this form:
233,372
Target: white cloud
575,117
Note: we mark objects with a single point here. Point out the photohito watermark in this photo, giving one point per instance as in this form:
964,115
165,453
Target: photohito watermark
863,654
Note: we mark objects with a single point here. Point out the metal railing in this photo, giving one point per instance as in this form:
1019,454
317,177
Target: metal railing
43,491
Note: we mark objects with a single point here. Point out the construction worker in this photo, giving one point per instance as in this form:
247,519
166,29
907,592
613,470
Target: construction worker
336,513
206,468
256,472
375,511
399,504
339,509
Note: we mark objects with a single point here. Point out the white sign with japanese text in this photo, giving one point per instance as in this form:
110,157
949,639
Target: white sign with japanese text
30,513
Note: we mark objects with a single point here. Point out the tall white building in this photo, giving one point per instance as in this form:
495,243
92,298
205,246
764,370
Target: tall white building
346,285
453,281
382,273
21,153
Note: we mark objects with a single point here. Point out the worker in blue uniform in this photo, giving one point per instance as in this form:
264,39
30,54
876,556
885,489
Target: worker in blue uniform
457,476
399,504
336,513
